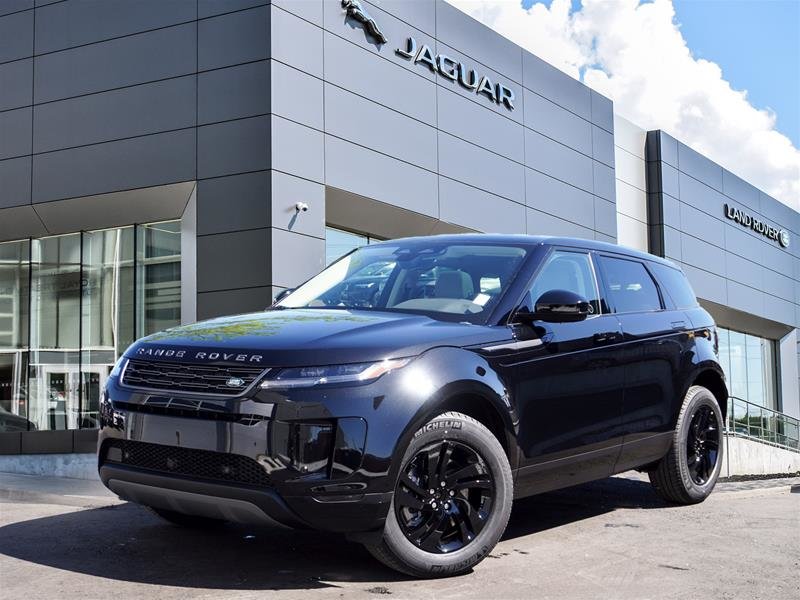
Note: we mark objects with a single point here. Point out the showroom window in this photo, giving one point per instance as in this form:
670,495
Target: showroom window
750,367
69,306
339,242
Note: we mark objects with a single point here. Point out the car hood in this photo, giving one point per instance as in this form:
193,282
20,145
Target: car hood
298,337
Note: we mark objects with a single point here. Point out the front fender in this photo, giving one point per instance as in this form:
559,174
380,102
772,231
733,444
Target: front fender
442,376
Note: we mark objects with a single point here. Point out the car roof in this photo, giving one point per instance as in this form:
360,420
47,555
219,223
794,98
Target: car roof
533,240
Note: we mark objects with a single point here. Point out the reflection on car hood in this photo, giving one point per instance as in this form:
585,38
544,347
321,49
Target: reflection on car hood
309,337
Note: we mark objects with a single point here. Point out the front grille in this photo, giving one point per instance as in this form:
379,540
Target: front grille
201,464
199,379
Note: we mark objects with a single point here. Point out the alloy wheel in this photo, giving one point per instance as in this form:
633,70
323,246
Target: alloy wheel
702,445
444,497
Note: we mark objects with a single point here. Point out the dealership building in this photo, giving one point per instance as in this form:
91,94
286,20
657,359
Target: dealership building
156,158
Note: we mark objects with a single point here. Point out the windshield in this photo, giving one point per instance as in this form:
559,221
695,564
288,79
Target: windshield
450,281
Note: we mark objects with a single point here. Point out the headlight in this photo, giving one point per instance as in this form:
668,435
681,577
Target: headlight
333,374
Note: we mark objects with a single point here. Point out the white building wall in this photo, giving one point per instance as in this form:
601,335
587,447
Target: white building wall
629,156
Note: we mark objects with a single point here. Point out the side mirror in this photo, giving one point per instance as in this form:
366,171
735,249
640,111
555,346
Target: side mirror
282,295
558,306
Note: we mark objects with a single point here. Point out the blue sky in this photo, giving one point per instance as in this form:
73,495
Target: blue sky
755,42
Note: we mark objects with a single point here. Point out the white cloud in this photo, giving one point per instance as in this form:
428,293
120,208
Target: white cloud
635,54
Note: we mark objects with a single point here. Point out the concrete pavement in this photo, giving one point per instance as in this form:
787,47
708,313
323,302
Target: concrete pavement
608,539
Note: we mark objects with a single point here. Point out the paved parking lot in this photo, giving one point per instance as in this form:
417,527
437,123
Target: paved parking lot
609,539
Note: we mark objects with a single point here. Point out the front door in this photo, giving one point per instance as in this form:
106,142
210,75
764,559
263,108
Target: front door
567,383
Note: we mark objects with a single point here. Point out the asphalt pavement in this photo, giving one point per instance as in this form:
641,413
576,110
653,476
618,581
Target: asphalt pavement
609,539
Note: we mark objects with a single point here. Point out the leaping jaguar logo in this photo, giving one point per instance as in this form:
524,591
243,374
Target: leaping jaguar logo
357,13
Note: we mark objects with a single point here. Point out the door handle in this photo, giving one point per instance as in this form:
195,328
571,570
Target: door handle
606,337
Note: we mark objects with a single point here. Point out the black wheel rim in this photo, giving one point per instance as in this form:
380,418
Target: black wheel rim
444,497
702,445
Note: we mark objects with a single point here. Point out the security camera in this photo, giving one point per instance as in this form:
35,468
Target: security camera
301,207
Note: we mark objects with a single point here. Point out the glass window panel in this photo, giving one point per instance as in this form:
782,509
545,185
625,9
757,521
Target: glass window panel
55,334
630,285
738,365
158,277
107,310
14,298
750,368
338,243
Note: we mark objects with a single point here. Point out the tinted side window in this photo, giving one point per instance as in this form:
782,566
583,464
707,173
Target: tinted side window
565,270
676,284
630,286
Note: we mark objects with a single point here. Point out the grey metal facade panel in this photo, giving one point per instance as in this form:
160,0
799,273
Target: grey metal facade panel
557,198
296,42
112,166
702,255
559,161
11,6
478,41
234,260
210,8
105,116
481,168
16,84
297,95
233,203
287,191
310,10
777,211
547,81
701,225
374,126
602,111
421,15
301,257
131,60
297,150
745,271
603,146
479,210
670,181
605,217
365,172
233,38
370,76
698,166
604,182
15,133
559,124
233,92
16,36
739,190
540,223
77,22
708,286
15,182
669,149
466,119
233,147
231,302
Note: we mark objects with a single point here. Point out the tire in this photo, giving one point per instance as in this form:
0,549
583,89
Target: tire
184,520
462,521
679,477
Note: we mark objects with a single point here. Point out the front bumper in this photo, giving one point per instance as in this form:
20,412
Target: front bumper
320,459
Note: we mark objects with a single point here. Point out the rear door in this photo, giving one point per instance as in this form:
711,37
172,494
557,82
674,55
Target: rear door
655,336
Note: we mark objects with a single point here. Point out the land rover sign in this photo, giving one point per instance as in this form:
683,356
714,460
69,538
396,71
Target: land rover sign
746,220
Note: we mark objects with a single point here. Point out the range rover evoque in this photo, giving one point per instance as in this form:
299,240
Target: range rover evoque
410,391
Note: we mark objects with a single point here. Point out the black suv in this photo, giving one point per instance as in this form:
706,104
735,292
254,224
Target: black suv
409,392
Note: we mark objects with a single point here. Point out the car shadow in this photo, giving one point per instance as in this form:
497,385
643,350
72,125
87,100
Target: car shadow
125,542
555,509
